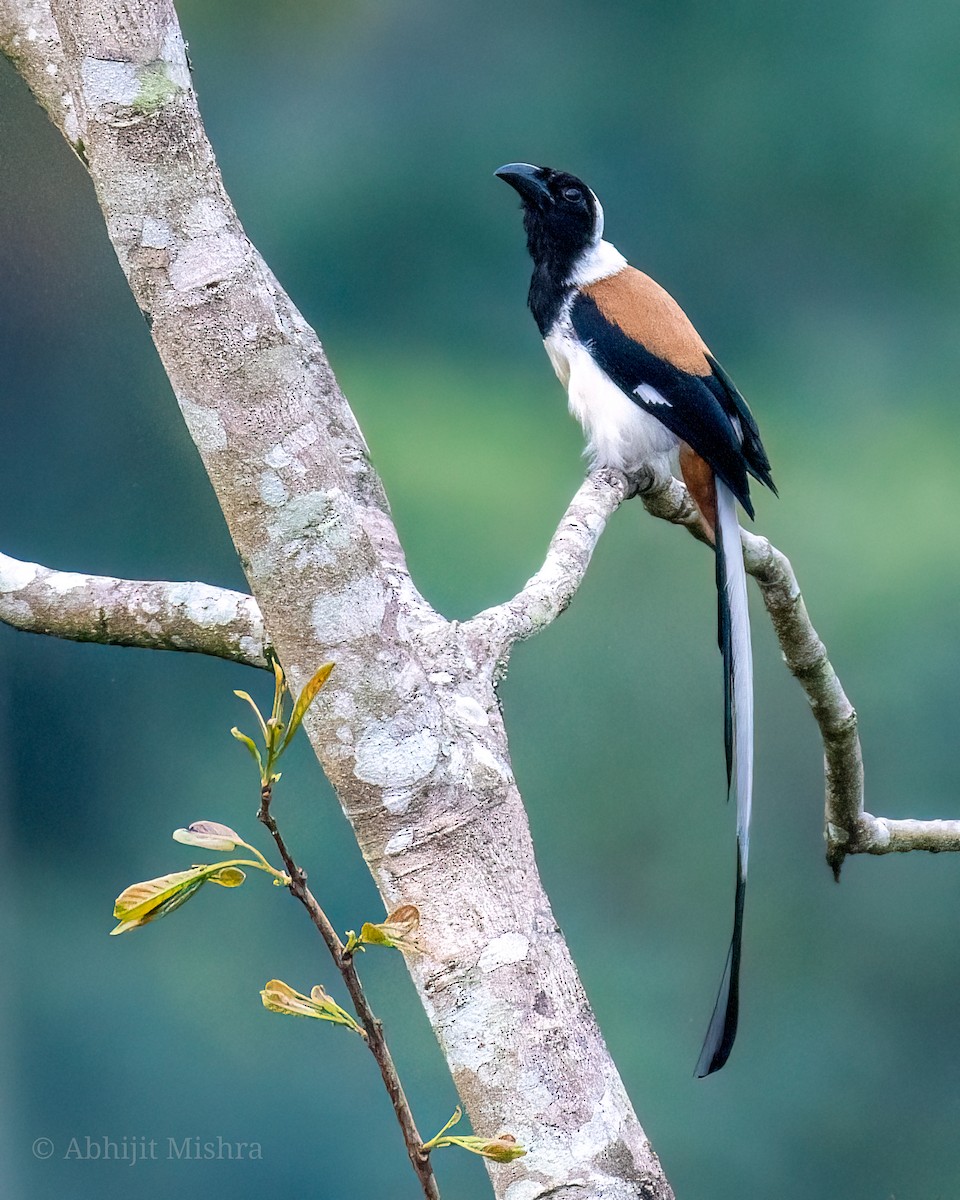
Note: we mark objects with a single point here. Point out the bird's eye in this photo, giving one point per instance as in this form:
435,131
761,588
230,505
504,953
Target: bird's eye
572,194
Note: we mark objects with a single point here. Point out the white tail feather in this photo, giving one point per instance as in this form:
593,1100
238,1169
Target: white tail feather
730,569
742,665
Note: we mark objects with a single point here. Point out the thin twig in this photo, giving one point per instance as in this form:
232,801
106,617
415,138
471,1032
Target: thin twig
373,1027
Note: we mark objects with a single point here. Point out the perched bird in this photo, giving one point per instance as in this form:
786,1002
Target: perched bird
643,385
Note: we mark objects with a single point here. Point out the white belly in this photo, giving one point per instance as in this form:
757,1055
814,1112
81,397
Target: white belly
620,433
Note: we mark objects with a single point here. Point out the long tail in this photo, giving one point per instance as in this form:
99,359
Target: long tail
734,630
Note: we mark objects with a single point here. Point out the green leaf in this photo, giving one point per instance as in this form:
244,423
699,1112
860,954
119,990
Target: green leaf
250,745
280,997
228,877
209,835
144,902
305,699
140,898
398,931
502,1148
249,699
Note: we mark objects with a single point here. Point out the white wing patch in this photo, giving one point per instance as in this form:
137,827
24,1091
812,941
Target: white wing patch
650,395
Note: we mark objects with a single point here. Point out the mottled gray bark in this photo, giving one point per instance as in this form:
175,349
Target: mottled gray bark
125,612
408,729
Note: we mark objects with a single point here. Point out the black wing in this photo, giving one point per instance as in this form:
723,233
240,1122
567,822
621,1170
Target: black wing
702,410
753,452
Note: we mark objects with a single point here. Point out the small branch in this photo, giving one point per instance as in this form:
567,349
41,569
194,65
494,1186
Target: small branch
806,657
881,835
548,593
193,617
848,829
419,1159
667,498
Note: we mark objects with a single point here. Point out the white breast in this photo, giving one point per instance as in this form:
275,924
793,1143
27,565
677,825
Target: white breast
620,433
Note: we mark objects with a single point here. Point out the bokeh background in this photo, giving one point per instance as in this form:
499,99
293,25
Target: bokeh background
791,173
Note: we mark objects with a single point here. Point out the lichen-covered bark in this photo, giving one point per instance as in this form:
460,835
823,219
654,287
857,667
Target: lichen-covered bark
125,612
408,729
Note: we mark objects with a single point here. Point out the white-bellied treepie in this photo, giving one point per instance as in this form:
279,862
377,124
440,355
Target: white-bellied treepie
643,385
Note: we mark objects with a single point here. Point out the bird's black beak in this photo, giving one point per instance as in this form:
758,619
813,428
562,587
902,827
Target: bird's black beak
528,180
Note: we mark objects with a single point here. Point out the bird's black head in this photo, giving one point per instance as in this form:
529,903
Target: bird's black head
561,216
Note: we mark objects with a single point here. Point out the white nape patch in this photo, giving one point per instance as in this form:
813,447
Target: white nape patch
620,433
502,951
596,262
650,395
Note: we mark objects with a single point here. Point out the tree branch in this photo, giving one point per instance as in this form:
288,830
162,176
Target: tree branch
153,615
848,828
548,593
409,729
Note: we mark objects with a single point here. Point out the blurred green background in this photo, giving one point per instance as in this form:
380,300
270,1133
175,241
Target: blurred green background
790,172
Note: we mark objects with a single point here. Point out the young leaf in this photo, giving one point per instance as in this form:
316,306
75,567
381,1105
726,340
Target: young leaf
352,943
398,931
330,1010
140,898
280,997
305,699
251,746
209,835
249,699
279,686
144,902
228,877
503,1148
